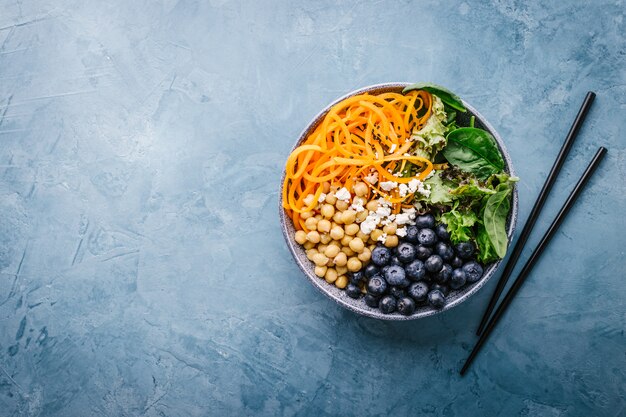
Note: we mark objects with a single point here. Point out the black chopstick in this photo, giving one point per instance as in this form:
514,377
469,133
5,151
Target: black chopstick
535,256
534,213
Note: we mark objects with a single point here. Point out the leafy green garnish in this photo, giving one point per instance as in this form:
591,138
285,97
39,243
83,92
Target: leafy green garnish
486,251
473,189
439,191
494,219
459,224
475,151
443,93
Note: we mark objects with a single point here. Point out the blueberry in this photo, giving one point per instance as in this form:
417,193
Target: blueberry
356,277
436,299
384,269
397,292
371,300
387,304
458,278
418,291
425,220
406,306
473,271
377,285
444,250
422,252
434,263
427,237
411,234
370,270
406,252
415,270
353,291
394,261
444,274
456,262
381,255
396,275
464,250
442,231
439,287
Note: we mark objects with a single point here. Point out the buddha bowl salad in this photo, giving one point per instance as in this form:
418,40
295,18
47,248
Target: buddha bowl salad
395,202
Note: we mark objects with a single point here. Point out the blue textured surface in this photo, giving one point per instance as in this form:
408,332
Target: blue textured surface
142,268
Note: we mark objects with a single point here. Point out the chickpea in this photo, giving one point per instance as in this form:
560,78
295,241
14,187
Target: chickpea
341,269
331,199
323,226
352,229
361,216
376,233
360,189
308,245
306,215
354,264
348,216
362,236
313,236
311,223
390,229
336,232
326,187
342,205
341,259
337,217
308,200
372,205
341,282
357,245
332,250
345,241
325,238
327,211
391,241
348,251
366,255
300,237
331,275
320,271
320,259
310,253
318,217
321,247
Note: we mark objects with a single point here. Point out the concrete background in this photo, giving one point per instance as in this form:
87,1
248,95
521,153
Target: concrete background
142,269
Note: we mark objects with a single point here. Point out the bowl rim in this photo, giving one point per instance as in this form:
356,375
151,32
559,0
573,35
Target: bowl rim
326,288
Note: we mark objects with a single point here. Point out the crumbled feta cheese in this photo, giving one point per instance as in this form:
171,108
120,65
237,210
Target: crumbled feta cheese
343,194
370,223
401,231
388,185
357,205
382,238
383,211
392,148
321,198
403,189
403,218
372,177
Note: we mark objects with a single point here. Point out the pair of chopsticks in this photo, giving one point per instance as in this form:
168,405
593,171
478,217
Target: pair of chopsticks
487,324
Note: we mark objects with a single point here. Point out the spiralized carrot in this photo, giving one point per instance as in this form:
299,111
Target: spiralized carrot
359,134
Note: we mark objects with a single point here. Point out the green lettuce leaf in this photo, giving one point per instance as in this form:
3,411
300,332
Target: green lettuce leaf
459,224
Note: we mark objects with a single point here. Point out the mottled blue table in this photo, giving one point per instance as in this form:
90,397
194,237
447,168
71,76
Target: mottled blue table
142,268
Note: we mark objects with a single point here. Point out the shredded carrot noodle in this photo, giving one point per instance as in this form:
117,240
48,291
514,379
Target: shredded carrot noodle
361,134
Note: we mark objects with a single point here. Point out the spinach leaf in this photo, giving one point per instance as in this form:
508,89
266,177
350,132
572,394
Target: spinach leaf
459,224
494,220
475,151
447,96
486,251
